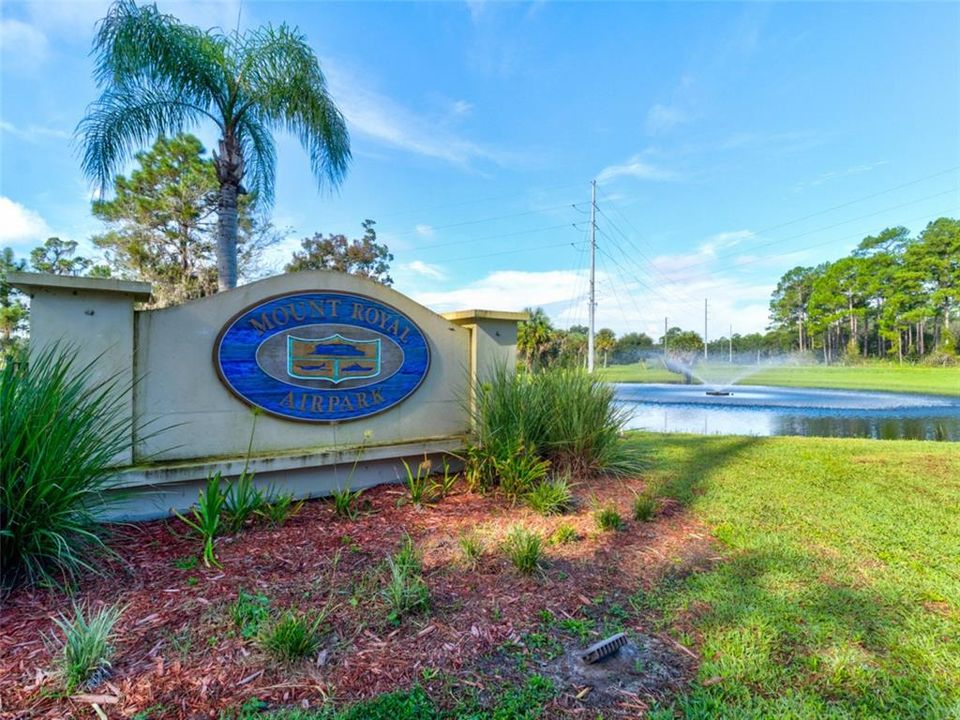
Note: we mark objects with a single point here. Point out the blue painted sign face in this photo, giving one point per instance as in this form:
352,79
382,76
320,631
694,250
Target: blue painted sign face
322,356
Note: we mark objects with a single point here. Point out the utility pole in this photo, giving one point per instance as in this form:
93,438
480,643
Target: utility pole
731,343
593,274
704,328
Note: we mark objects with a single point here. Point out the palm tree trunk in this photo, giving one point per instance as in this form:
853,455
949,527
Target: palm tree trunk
229,165
227,237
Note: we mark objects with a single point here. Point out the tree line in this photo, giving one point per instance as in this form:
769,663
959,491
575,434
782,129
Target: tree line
894,296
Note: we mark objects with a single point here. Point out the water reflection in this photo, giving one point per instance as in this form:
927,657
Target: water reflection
756,410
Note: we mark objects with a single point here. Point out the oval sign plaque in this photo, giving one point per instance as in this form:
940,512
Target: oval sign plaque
322,356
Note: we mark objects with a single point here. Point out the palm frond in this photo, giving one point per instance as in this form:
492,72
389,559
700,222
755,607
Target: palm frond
141,45
282,79
128,117
259,154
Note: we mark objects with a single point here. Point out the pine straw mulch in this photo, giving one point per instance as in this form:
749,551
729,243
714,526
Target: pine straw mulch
178,654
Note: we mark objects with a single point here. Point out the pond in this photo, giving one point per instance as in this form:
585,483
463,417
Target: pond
761,410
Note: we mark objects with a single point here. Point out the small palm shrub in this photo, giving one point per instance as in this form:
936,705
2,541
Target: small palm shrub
206,518
85,648
608,519
292,637
524,548
60,432
564,534
551,497
644,506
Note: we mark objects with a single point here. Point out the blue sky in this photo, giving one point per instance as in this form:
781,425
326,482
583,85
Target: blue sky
730,141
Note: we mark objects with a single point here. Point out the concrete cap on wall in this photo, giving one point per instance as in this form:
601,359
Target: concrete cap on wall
32,282
471,316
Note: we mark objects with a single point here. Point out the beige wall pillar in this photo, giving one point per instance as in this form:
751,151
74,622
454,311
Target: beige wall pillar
493,341
92,318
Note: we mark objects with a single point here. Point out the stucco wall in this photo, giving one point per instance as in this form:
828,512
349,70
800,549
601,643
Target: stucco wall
189,413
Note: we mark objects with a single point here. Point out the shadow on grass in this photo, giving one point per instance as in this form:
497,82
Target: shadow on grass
779,633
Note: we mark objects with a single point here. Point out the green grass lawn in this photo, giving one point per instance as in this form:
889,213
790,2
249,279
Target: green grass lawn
839,594
872,376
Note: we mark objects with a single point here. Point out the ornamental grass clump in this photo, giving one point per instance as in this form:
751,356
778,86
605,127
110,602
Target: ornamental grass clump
85,649
61,431
405,589
524,548
551,497
292,637
644,506
561,416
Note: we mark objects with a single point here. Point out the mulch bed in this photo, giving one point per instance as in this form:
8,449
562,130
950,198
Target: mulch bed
178,655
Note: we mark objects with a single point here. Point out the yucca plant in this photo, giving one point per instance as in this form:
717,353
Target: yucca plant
607,518
61,431
444,483
206,516
85,648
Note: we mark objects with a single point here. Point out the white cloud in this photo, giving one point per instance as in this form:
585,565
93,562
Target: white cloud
423,230
724,240
23,45
664,117
504,290
383,120
419,267
625,303
635,167
837,174
19,224
461,108
33,133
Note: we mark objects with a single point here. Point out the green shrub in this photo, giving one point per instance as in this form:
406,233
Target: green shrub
520,471
60,431
249,613
551,497
292,637
561,415
644,506
277,508
418,485
471,549
564,534
346,502
242,501
608,519
405,590
524,548
445,483
206,516
85,648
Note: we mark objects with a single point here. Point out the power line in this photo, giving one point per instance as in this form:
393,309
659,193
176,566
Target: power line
487,219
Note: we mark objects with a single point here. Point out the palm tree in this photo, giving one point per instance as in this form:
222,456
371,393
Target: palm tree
534,336
158,76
